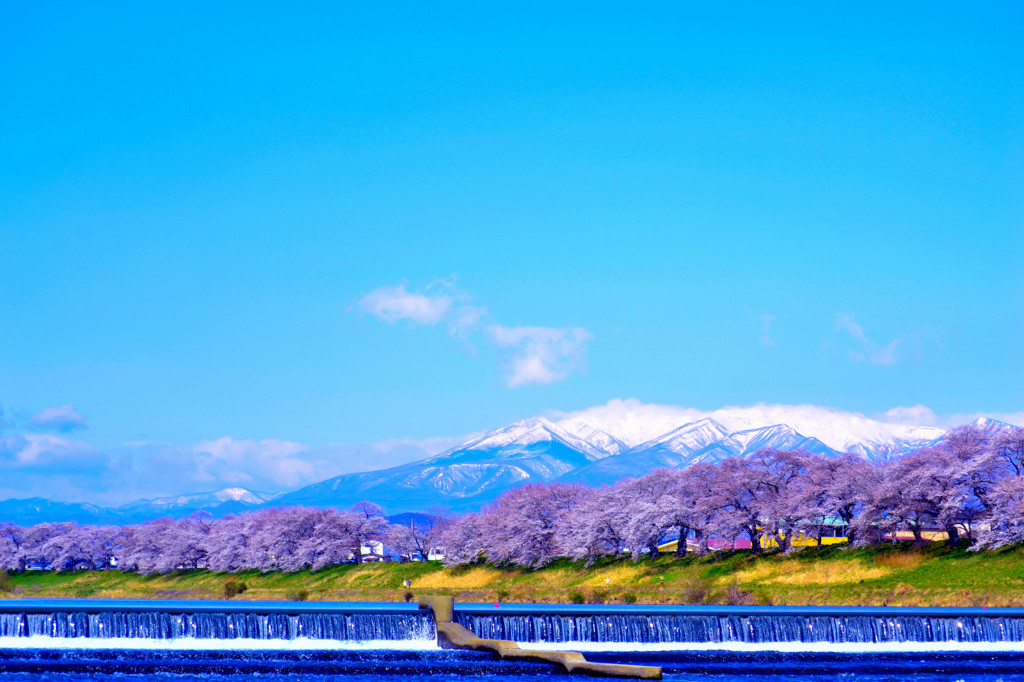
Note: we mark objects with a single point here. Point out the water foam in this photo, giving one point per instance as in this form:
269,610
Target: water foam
194,644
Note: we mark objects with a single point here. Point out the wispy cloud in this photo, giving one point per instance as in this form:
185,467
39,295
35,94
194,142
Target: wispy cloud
766,335
914,415
867,350
33,452
44,465
925,416
542,355
63,419
530,354
394,304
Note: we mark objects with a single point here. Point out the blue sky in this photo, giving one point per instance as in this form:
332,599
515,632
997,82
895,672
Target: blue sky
337,225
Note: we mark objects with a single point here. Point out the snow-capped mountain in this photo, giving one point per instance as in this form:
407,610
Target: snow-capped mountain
596,446
688,437
702,441
239,497
591,441
217,503
746,443
466,476
634,423
601,446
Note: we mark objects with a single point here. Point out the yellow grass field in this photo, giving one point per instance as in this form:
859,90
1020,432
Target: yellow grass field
905,576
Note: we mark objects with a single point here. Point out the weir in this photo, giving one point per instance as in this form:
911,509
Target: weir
451,635
747,625
169,620
520,624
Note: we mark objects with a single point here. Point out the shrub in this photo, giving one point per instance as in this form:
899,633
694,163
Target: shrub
696,592
737,596
576,598
297,595
5,582
233,588
409,596
629,598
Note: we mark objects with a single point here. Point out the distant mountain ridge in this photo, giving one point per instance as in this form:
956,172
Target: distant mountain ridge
217,503
529,451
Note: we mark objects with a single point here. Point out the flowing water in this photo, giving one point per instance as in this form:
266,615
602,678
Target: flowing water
91,641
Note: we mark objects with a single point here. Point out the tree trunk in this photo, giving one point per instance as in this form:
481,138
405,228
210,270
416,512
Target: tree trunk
755,540
916,530
702,542
851,535
954,535
684,533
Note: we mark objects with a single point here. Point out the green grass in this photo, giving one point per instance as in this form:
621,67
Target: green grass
896,576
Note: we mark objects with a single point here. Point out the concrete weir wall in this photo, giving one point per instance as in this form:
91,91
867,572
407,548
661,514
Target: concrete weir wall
451,635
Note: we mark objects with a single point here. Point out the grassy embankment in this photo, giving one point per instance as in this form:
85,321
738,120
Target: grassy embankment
930,576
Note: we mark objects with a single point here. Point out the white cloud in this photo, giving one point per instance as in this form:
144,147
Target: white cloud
64,419
1015,418
917,415
542,355
634,422
393,304
43,465
421,446
532,355
253,463
39,451
465,318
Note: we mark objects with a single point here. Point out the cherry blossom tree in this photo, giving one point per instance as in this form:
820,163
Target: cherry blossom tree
698,505
653,504
417,538
369,523
523,526
11,539
1007,448
597,525
831,489
333,540
1005,525
464,540
167,545
228,544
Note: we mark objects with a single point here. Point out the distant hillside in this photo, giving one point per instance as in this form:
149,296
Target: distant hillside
531,451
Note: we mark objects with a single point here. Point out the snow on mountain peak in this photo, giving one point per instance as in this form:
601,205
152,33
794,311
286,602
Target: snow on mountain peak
592,442
692,436
634,422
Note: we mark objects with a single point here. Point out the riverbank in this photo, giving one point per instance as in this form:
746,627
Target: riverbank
930,576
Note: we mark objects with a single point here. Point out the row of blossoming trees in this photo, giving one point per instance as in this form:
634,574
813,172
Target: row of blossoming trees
971,486
282,539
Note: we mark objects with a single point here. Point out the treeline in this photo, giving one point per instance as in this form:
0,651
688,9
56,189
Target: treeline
282,539
971,486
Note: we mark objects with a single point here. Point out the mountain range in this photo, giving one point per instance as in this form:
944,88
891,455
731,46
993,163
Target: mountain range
529,451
